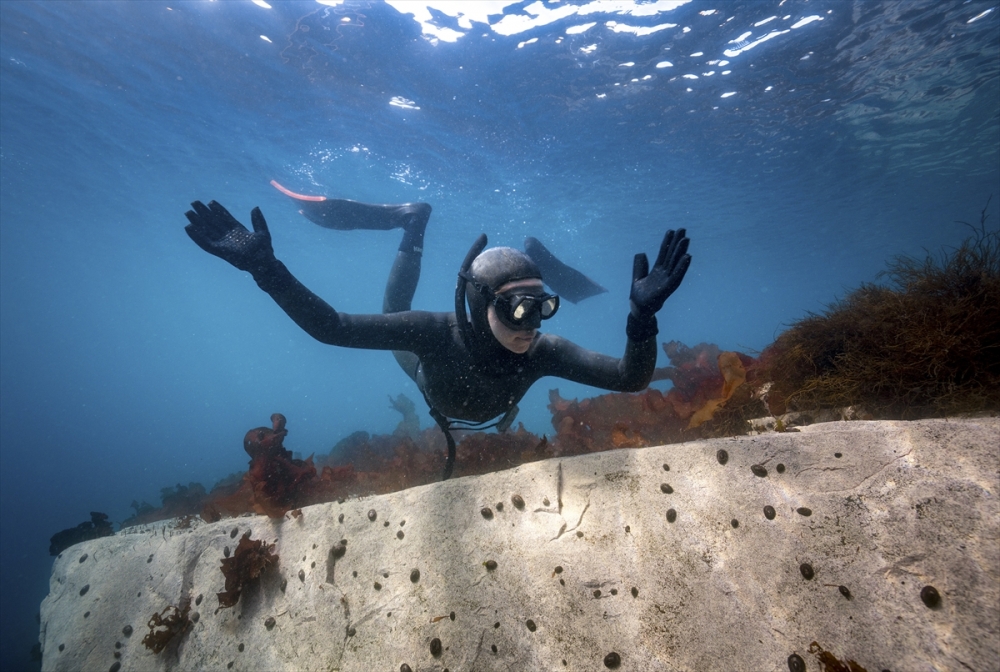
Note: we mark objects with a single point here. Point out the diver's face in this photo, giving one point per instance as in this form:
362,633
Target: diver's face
516,340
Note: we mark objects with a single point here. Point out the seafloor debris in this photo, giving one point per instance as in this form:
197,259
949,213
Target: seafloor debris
166,625
247,563
95,528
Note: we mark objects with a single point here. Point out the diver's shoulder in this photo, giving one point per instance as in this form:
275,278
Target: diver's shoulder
444,321
546,343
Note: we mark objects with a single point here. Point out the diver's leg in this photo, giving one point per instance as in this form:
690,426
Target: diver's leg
405,275
346,215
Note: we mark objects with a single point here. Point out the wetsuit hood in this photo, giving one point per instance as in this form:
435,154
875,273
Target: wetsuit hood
499,265
491,270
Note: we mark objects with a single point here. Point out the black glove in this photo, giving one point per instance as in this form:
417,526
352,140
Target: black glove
651,288
217,232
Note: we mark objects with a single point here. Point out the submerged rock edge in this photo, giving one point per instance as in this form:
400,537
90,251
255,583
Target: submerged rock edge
908,504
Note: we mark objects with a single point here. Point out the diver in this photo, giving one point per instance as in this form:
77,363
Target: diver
470,366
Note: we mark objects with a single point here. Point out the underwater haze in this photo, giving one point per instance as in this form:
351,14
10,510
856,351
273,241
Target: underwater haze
801,143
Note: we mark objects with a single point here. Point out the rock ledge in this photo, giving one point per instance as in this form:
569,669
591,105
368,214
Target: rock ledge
589,566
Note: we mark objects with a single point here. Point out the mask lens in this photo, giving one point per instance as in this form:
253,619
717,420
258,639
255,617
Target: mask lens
522,308
549,306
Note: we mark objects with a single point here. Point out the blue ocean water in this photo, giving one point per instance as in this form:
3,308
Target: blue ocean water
802,143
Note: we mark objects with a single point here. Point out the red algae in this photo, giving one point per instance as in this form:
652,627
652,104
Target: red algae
705,381
248,562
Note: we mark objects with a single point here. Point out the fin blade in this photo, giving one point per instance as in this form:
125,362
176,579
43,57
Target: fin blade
346,215
564,280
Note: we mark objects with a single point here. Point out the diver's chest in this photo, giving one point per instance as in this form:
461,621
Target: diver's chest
467,379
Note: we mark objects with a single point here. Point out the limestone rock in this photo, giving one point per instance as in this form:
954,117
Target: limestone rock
591,561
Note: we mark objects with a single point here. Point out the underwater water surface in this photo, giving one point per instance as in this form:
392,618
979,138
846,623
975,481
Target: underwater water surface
801,143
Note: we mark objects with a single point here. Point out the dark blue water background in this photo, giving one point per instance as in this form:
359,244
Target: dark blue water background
131,360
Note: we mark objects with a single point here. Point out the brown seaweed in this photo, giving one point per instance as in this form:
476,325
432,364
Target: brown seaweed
923,344
166,625
830,663
248,562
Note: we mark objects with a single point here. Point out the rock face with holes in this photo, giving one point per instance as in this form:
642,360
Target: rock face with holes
650,559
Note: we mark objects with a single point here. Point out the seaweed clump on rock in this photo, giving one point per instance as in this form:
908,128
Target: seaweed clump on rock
272,486
924,344
98,526
166,625
177,501
249,561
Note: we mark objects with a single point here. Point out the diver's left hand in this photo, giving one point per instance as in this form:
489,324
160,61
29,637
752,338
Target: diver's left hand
650,289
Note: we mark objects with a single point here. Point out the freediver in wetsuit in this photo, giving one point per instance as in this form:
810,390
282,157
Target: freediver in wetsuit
471,367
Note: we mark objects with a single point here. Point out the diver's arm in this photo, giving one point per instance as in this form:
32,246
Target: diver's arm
650,289
217,232
632,373
413,331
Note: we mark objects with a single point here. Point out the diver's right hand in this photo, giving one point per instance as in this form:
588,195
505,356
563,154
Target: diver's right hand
217,232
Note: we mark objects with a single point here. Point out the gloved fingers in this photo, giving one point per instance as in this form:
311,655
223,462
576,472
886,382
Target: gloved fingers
677,275
205,221
668,241
680,249
259,223
200,228
674,246
196,234
200,208
222,217
640,267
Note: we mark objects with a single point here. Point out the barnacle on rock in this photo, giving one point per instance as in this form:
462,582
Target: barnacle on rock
931,597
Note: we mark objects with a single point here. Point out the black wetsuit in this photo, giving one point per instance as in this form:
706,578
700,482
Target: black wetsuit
475,382
462,369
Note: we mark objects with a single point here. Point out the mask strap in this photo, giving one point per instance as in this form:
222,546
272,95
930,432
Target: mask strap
460,313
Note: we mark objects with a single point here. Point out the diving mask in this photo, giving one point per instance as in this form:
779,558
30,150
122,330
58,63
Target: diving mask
523,312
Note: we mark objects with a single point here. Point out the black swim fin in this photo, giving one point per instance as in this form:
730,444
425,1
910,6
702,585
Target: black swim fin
567,282
346,215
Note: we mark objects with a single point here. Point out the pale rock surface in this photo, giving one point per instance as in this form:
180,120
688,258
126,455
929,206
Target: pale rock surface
908,504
